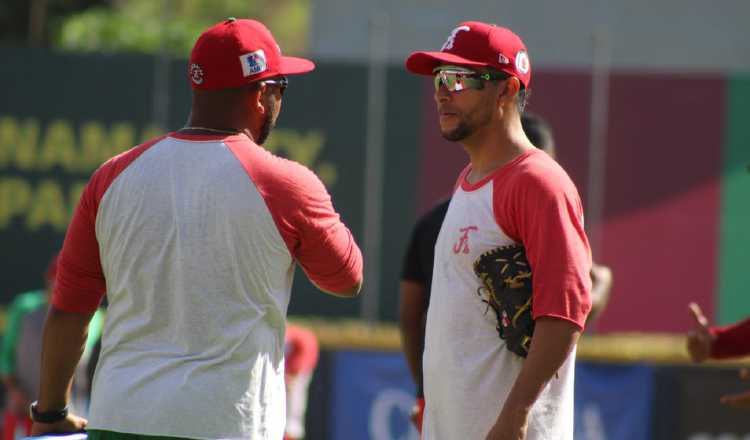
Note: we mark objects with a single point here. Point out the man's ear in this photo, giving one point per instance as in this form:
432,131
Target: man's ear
511,89
256,98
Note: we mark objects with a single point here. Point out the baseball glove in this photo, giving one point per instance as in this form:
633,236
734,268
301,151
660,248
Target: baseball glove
506,287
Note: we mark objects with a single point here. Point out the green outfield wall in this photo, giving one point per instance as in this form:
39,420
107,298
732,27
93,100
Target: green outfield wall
734,268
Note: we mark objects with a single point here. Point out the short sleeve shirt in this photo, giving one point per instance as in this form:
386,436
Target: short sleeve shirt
468,372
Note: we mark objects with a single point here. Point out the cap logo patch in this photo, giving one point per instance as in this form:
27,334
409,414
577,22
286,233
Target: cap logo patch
196,74
522,62
452,37
502,59
253,63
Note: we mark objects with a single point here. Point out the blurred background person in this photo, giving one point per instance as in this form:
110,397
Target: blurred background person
705,342
416,273
301,354
540,134
19,358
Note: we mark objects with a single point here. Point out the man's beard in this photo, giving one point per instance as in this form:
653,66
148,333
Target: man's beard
268,123
265,129
467,126
459,133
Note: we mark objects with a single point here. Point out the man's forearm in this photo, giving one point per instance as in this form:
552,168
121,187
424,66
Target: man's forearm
412,313
731,340
553,341
63,342
412,338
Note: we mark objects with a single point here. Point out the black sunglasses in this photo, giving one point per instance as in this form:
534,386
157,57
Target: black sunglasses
281,82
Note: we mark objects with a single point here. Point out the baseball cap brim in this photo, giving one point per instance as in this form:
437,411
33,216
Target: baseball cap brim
423,63
295,65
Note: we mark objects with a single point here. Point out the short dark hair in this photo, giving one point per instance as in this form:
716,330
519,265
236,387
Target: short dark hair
538,131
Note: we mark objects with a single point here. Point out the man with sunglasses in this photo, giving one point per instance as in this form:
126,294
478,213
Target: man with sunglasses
510,193
195,236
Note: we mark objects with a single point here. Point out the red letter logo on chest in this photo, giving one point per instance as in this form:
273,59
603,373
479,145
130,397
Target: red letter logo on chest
463,241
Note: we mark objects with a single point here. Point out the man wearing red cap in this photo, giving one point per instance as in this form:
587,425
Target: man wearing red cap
194,236
510,194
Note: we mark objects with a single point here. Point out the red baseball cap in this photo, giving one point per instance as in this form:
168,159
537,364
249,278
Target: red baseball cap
237,52
477,44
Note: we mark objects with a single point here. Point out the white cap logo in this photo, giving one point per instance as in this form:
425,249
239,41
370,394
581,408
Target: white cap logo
452,37
253,63
522,62
196,73
502,59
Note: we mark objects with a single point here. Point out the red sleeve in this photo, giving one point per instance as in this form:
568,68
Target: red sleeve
325,248
80,283
731,340
541,209
303,212
301,350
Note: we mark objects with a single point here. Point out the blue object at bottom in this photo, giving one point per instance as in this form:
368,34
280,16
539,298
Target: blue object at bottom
76,436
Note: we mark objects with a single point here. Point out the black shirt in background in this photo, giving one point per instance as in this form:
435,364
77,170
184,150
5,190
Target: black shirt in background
420,255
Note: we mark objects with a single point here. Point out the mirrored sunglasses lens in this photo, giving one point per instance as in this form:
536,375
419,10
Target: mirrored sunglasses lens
459,83
451,81
456,81
447,79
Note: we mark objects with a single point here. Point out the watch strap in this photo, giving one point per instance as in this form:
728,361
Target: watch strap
47,416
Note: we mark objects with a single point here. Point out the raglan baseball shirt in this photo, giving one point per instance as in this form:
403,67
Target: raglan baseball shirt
194,238
468,371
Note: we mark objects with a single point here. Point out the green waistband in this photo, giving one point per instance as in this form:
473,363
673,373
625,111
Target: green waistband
97,434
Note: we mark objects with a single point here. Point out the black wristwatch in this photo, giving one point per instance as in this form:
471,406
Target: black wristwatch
47,416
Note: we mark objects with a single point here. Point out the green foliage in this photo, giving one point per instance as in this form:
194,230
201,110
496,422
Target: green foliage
174,25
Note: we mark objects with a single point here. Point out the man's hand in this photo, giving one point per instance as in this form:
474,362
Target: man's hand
601,285
699,339
417,414
71,423
554,339
509,426
739,400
